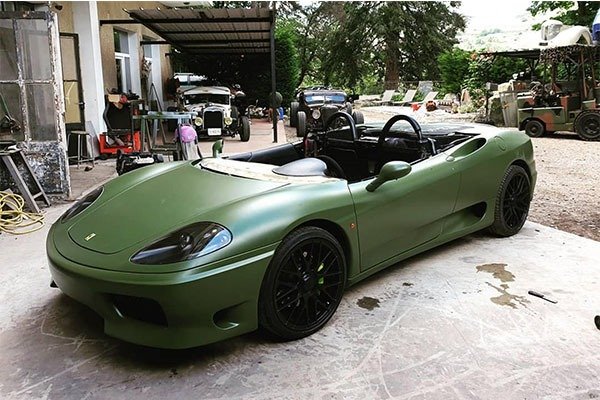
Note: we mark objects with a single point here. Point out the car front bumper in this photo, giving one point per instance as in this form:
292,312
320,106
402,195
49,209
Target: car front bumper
204,133
169,310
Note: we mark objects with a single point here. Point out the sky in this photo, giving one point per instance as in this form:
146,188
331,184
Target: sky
489,14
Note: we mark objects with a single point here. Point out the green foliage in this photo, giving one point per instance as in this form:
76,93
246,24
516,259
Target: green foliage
419,96
360,44
287,66
583,14
483,69
453,66
232,4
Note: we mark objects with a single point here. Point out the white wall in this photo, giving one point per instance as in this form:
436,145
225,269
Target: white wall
86,25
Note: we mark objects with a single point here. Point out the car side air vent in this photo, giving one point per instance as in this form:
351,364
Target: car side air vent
468,147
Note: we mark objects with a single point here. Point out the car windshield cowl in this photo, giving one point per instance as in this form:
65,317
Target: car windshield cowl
204,98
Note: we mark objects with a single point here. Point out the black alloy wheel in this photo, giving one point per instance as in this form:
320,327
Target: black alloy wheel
303,285
534,128
512,202
587,125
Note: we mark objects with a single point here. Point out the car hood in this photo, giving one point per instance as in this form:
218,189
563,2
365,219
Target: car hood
202,106
132,211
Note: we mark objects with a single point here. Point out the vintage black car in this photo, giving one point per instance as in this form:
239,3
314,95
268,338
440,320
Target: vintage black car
313,106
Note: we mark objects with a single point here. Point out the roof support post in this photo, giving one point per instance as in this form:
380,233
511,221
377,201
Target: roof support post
274,113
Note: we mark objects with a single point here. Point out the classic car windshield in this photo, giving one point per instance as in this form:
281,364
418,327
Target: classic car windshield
201,98
327,98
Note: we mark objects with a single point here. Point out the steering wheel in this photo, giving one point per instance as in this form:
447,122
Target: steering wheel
348,119
392,121
423,142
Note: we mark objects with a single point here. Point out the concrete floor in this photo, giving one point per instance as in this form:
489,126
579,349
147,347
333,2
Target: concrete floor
455,322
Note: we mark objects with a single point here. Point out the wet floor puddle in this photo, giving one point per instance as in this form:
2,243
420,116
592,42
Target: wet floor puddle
368,303
500,272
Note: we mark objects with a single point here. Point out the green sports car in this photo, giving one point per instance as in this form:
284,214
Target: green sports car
187,253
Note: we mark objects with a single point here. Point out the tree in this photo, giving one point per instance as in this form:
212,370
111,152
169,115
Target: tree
583,14
453,66
312,25
403,39
286,67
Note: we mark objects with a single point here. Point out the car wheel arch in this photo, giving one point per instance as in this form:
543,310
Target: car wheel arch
522,164
338,233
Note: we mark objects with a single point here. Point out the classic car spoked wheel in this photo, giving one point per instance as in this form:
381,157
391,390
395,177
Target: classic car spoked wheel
512,202
244,129
300,124
534,128
303,285
587,125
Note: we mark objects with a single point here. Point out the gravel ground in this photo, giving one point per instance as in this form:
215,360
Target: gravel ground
566,195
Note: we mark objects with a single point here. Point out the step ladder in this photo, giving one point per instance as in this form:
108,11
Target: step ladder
29,186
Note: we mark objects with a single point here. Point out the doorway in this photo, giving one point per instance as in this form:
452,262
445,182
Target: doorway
71,70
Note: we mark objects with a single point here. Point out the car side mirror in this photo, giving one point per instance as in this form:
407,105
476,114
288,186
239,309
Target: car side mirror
217,148
390,171
353,98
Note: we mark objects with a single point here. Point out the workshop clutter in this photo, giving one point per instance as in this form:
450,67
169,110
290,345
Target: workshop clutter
14,219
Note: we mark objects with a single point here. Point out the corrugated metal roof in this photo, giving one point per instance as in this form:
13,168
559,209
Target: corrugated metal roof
211,30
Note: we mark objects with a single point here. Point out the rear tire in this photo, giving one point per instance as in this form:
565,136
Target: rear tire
534,128
587,125
512,202
245,129
303,285
301,126
294,106
358,117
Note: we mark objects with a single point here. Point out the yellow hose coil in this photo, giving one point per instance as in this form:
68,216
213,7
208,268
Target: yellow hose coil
13,219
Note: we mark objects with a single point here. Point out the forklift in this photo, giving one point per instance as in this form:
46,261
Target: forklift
570,101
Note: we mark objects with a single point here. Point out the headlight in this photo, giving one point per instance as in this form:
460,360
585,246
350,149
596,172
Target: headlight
82,204
228,120
316,114
198,121
185,244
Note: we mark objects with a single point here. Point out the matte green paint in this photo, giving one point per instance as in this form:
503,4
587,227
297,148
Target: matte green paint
215,296
390,171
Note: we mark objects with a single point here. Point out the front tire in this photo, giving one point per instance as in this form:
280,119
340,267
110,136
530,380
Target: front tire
358,117
534,128
303,285
301,124
294,106
245,129
512,202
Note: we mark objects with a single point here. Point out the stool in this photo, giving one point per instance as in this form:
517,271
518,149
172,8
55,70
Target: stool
88,141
